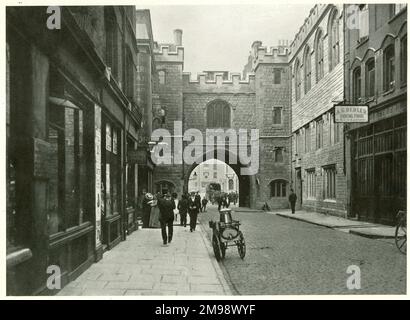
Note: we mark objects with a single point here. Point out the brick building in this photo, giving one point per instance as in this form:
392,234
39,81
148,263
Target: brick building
72,120
376,75
316,60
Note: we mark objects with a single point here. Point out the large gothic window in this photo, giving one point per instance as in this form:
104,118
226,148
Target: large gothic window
333,31
319,55
307,69
218,115
298,82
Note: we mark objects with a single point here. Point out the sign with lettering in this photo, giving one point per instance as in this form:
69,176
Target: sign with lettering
137,156
351,114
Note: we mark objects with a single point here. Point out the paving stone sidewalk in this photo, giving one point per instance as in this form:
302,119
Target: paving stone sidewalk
141,265
360,228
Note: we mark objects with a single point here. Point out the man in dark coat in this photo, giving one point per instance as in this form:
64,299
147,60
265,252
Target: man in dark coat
198,200
292,200
193,210
183,209
204,203
166,207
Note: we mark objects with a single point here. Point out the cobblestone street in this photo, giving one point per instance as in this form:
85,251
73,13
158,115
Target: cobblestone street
286,256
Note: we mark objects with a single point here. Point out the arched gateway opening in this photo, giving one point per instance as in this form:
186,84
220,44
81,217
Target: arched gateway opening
232,174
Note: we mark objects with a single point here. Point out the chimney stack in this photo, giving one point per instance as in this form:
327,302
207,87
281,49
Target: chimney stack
178,37
255,46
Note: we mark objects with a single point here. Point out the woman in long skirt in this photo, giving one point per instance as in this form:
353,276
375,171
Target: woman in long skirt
154,216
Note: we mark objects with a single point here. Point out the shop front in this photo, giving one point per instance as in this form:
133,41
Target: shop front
379,169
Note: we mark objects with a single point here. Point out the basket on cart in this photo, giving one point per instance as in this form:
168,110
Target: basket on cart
226,233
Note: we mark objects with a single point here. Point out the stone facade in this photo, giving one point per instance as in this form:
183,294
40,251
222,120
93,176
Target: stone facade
251,99
317,141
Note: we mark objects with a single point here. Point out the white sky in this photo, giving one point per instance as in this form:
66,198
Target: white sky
219,37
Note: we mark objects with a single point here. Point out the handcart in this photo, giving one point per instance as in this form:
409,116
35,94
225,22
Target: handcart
226,233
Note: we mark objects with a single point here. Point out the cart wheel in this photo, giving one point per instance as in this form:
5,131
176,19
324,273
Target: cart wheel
241,246
401,237
217,248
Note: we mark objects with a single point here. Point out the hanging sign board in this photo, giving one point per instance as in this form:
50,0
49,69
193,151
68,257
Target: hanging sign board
351,114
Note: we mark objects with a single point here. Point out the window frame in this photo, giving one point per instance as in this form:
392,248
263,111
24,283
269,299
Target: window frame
278,188
279,114
403,60
277,76
329,182
356,84
319,55
307,70
298,80
334,40
368,80
389,68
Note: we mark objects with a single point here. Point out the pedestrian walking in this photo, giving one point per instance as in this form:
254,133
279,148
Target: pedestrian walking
183,209
198,199
175,199
146,208
292,200
154,215
166,207
204,203
193,210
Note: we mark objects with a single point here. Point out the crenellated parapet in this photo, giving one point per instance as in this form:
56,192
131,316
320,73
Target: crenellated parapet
219,82
273,55
169,53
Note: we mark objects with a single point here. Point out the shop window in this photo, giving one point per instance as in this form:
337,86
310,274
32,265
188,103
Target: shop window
66,187
11,162
111,170
403,59
319,55
218,114
311,183
334,52
298,82
277,73
329,182
307,69
277,115
357,82
388,68
370,78
130,201
278,188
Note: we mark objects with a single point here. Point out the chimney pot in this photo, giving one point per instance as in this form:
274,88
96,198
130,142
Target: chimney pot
178,37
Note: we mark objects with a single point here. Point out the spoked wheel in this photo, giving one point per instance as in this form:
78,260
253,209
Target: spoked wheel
401,237
216,247
241,246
